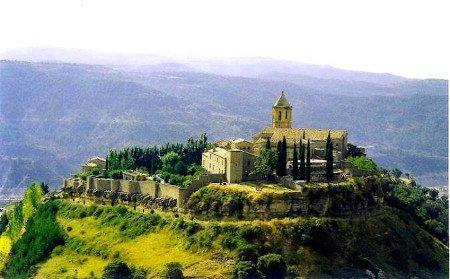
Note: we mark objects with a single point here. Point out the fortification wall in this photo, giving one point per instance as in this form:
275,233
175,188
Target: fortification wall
151,188
102,184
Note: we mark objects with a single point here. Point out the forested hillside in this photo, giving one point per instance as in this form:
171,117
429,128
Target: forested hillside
53,116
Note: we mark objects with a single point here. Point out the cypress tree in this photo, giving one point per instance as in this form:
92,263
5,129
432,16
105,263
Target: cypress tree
308,162
295,164
268,144
329,158
303,137
283,157
279,159
302,161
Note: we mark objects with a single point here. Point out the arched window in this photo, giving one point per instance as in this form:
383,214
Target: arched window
279,115
286,114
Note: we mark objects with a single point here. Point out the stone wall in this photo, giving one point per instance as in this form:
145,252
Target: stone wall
149,188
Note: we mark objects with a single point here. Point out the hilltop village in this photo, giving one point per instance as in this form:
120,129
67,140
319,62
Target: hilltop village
300,156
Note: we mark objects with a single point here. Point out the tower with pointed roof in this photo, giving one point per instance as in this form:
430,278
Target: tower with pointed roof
282,113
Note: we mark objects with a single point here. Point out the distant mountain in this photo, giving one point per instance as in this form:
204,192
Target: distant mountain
53,116
241,66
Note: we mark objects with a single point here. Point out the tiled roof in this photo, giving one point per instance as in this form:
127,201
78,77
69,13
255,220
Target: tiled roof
276,134
282,101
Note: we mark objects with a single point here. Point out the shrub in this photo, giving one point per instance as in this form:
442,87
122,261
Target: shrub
246,270
272,266
250,233
229,242
192,228
173,271
116,269
248,253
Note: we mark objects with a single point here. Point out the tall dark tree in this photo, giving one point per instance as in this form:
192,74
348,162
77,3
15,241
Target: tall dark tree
283,157
268,144
302,161
308,162
278,168
303,137
329,158
295,163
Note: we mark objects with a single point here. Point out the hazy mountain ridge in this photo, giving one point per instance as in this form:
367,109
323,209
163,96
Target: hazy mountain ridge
74,111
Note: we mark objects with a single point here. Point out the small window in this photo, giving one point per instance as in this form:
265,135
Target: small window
286,114
248,163
279,115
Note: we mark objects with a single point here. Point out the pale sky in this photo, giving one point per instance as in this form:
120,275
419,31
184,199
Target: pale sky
408,38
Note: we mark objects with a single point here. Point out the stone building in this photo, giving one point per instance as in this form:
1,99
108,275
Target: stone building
282,127
235,158
95,162
235,164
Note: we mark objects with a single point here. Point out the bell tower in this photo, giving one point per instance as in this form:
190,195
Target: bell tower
282,113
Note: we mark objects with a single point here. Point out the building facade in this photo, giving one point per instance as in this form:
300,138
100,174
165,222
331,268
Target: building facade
234,164
234,159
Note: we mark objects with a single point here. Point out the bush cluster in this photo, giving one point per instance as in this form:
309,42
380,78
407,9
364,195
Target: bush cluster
42,234
426,206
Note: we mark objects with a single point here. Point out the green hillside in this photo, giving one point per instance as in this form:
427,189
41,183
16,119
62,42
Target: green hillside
404,237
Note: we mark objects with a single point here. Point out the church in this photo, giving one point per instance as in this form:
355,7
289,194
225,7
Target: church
235,158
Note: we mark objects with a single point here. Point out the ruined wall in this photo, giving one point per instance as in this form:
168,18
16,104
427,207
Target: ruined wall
151,188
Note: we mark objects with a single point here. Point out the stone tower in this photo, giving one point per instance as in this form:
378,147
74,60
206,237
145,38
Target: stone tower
282,113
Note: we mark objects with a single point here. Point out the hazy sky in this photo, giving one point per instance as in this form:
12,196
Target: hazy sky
409,38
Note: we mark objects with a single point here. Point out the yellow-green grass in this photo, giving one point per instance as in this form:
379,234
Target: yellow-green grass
150,252
70,264
5,247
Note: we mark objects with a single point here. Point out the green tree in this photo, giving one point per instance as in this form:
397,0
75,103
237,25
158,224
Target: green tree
44,187
171,159
329,158
295,163
268,144
278,168
265,163
283,157
180,168
396,172
302,161
308,162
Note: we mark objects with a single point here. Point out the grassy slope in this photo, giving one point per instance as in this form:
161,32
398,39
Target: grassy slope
150,251
389,240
